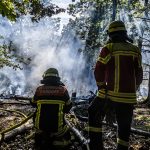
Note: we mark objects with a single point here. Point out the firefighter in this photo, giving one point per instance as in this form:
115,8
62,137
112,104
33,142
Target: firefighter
51,100
118,74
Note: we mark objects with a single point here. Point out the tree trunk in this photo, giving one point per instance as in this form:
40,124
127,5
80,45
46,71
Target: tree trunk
148,97
146,2
114,10
149,87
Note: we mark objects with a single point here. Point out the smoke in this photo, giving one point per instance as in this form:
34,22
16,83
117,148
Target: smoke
11,82
46,47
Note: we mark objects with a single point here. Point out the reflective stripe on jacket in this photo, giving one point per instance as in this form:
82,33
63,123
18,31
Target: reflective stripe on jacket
119,65
51,103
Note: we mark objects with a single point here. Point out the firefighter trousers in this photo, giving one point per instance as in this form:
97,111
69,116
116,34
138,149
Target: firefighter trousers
44,141
123,113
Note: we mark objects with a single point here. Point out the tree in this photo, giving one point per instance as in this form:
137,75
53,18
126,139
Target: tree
99,13
13,9
114,9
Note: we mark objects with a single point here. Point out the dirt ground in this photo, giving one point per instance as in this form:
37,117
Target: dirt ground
24,140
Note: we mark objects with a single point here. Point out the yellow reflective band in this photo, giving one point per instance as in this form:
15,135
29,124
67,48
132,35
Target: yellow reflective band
60,117
61,143
51,74
124,48
123,53
101,93
117,73
122,142
118,97
50,102
116,29
60,114
104,60
122,100
37,119
109,46
119,94
93,129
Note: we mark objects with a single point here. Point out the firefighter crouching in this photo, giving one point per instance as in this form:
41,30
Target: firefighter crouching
51,101
118,74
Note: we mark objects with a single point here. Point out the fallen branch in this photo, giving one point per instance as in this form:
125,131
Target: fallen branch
16,131
14,111
78,134
114,125
22,98
16,97
14,103
10,132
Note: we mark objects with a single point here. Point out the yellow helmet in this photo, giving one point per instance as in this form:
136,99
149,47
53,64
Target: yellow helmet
51,72
116,26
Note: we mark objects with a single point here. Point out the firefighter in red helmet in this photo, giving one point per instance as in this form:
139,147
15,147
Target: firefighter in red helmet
118,74
51,101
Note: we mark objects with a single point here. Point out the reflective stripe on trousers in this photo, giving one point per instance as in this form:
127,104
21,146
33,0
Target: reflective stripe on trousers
123,112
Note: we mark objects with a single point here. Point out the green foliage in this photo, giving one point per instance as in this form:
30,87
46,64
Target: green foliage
10,58
38,10
12,9
6,58
7,9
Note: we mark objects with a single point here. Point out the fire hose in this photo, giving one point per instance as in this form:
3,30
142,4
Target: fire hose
1,109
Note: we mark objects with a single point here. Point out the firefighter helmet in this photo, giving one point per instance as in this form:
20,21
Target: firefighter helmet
51,72
116,26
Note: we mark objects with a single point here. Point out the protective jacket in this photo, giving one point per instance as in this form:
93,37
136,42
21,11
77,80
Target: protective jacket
119,67
51,101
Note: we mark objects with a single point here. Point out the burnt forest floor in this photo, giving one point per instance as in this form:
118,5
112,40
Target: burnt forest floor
24,140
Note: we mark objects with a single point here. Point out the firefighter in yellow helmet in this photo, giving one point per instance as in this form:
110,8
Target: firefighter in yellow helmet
118,74
51,100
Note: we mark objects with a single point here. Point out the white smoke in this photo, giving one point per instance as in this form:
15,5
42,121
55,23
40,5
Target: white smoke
46,48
